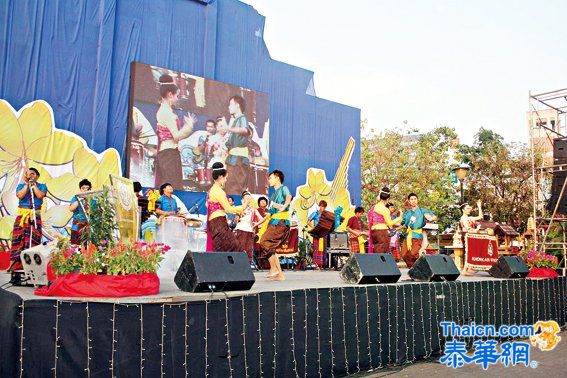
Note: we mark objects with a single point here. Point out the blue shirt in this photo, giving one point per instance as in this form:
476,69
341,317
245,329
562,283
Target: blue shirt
78,213
166,203
279,197
26,201
415,219
315,217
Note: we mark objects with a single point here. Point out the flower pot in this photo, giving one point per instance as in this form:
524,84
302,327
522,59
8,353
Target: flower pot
542,273
101,286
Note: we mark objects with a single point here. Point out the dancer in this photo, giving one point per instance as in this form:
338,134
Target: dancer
354,228
380,221
467,224
244,230
80,223
220,237
237,161
278,229
27,226
170,132
414,218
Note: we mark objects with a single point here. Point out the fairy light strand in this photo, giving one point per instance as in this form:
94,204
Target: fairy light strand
88,330
227,334
344,329
356,328
380,343
422,318
113,320
331,333
292,309
244,336
260,331
318,333
368,330
22,338
56,338
142,340
206,338
305,331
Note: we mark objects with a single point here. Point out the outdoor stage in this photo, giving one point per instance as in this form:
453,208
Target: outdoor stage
312,324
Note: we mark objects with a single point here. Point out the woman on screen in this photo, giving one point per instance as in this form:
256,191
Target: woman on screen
169,133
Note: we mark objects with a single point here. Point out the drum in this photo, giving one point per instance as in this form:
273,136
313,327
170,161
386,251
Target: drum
201,175
173,232
208,176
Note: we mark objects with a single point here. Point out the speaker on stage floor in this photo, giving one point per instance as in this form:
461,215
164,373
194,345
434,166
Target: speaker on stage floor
370,268
434,268
34,261
509,267
214,271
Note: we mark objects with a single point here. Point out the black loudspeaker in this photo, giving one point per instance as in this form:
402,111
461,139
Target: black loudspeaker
509,267
434,268
370,268
560,150
214,271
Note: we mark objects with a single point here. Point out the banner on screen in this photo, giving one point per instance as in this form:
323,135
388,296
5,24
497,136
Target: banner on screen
181,124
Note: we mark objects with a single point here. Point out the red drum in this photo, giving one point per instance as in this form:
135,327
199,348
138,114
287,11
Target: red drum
201,175
209,175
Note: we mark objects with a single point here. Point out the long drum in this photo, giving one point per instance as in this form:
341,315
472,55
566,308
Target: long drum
173,232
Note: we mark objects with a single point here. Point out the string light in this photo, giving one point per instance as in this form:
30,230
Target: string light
318,334
305,330
344,330
292,307
356,327
142,341
367,330
275,333
243,336
227,334
113,339
56,338
207,337
22,338
389,321
405,324
423,318
260,331
331,332
88,369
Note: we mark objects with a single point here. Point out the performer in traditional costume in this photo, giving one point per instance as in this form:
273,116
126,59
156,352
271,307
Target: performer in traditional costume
354,228
380,222
318,243
79,218
166,205
237,161
27,226
414,218
170,132
220,237
277,231
468,223
244,230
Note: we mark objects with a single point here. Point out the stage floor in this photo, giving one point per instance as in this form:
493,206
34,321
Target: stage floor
295,280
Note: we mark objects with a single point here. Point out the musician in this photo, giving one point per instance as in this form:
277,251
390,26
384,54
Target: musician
166,205
380,222
169,132
354,228
27,227
414,218
143,202
79,225
467,224
318,243
278,230
220,237
249,219
263,206
237,161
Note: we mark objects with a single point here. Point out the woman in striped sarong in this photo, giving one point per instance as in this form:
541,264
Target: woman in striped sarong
27,228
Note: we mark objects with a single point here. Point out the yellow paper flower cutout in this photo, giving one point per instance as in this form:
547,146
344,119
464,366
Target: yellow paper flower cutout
316,187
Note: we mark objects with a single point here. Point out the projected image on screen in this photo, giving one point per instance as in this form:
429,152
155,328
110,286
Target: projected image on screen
181,124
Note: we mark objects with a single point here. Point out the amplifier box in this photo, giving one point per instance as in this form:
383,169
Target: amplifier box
338,240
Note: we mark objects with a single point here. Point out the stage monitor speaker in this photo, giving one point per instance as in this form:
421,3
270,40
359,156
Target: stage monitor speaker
34,261
434,268
559,150
370,268
509,267
338,240
214,271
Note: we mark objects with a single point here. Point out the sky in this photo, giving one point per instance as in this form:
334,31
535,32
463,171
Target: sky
463,64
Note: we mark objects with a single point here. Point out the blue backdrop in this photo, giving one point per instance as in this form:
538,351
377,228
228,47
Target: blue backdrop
76,55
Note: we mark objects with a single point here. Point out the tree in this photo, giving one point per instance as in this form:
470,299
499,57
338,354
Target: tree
501,176
409,162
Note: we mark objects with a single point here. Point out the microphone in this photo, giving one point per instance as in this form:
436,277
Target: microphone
194,208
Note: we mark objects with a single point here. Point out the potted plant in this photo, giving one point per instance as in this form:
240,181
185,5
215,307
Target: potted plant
542,265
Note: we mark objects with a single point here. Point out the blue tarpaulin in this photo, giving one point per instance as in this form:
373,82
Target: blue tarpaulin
76,55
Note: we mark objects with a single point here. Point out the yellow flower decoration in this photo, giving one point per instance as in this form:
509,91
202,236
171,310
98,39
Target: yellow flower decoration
30,139
317,188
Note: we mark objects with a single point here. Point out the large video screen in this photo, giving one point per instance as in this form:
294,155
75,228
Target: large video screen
181,124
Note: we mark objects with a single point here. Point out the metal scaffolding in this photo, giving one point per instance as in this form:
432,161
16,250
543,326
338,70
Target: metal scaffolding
547,122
